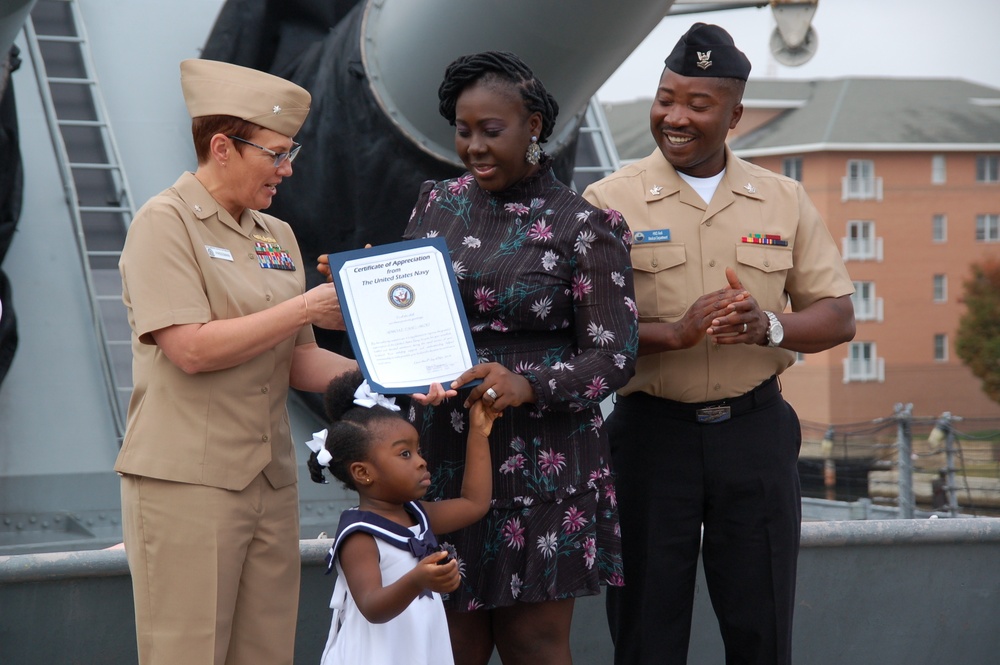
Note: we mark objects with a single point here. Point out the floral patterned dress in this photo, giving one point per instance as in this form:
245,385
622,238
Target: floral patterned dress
546,282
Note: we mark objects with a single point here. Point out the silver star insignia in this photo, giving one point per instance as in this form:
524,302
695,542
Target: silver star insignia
276,110
655,190
750,188
197,208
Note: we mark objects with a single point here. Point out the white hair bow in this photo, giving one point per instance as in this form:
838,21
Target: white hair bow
318,446
364,396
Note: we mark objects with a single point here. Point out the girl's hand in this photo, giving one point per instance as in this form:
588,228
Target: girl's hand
442,578
481,418
500,387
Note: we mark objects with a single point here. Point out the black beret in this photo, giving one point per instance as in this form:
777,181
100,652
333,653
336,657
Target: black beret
708,50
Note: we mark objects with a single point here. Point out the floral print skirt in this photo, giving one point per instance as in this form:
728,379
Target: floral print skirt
539,550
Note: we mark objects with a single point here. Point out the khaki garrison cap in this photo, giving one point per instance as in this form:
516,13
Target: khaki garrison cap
221,88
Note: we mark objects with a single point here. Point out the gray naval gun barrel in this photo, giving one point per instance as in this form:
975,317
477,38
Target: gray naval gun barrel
573,47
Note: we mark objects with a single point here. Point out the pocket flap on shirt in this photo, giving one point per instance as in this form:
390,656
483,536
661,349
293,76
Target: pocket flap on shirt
657,256
766,258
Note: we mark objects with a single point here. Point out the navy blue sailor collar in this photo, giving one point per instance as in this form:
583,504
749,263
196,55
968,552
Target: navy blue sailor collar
397,535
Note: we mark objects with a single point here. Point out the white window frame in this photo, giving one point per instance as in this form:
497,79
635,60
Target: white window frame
861,243
939,170
862,363
941,348
939,228
860,182
988,168
792,168
866,306
987,228
940,288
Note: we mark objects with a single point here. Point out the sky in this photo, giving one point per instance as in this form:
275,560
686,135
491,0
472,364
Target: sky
873,38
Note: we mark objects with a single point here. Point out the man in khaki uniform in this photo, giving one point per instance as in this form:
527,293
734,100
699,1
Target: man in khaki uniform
704,446
215,292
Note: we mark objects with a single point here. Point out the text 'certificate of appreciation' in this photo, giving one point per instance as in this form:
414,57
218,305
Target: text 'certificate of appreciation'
404,314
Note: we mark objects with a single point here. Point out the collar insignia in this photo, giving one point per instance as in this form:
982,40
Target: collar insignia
276,110
197,208
655,190
750,188
703,59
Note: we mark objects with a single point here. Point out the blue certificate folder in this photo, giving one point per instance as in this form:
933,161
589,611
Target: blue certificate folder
404,315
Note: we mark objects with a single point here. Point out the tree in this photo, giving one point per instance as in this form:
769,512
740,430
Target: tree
978,343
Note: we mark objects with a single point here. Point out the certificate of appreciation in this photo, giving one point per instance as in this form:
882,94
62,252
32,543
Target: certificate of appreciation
404,314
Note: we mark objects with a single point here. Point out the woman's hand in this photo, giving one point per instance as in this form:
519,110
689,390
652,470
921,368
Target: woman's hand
500,387
323,266
323,307
435,395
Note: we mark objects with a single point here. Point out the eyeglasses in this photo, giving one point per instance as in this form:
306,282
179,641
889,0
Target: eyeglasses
279,157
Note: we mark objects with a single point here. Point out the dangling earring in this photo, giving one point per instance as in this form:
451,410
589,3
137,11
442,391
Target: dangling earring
534,153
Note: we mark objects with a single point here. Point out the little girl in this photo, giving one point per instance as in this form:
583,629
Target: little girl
390,569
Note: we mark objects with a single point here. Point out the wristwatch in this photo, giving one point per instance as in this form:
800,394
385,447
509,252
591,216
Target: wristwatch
775,333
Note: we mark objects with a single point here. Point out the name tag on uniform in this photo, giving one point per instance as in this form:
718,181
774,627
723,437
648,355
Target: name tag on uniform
654,235
219,253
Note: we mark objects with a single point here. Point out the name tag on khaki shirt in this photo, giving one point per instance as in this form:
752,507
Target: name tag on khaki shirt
219,253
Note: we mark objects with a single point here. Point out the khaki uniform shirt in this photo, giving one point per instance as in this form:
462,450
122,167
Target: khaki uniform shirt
186,260
705,239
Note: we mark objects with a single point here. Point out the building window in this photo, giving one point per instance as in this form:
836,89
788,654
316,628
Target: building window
939,170
988,228
939,228
940,288
866,306
988,168
861,243
860,181
862,364
941,348
792,168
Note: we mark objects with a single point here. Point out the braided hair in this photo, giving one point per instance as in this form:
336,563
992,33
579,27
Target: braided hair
492,67
349,436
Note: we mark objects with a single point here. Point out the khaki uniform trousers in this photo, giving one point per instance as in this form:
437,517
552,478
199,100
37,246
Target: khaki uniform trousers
215,572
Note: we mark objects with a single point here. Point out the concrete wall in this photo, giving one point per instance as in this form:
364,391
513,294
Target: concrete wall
893,592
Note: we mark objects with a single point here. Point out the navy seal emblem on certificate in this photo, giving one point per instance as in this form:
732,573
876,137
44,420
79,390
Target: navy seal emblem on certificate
401,295
404,314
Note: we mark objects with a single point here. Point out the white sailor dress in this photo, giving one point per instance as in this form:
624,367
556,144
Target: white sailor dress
419,635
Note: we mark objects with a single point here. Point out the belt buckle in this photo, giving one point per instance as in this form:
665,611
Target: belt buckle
713,414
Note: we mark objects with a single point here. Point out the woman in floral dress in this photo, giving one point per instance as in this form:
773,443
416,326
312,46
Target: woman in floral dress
546,282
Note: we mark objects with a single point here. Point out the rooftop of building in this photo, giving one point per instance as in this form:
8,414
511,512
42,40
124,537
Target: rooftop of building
841,114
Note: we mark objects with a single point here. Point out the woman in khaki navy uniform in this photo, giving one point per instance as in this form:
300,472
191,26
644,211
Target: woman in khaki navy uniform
220,318
704,445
